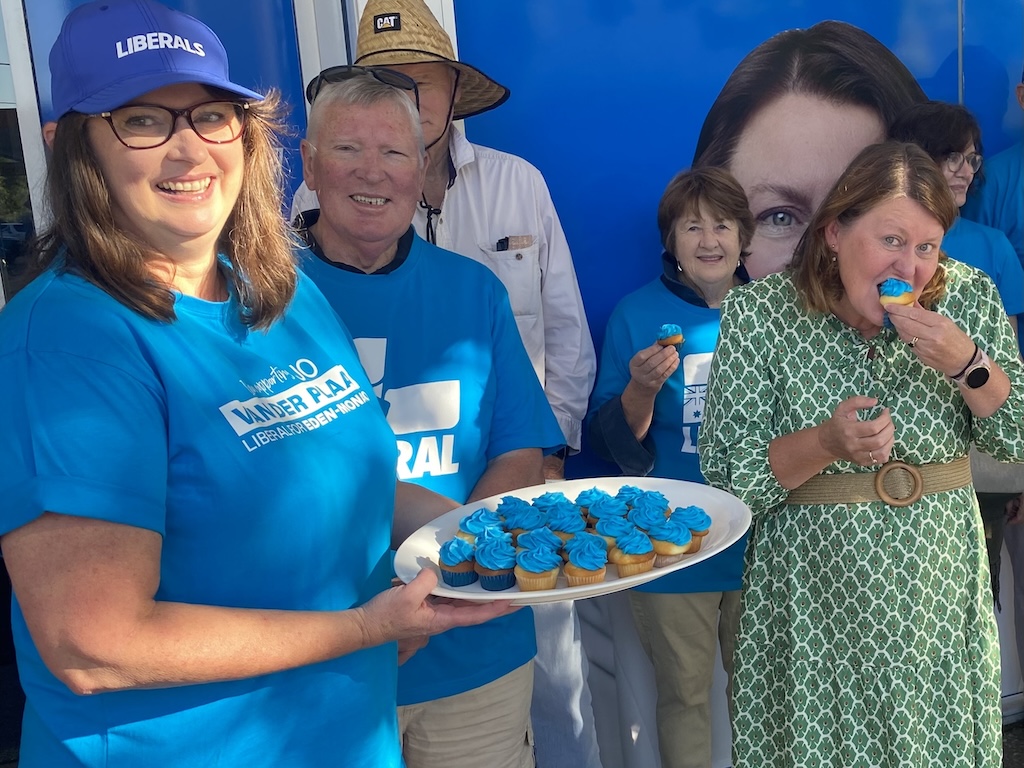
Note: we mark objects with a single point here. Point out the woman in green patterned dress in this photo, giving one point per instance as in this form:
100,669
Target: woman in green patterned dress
867,636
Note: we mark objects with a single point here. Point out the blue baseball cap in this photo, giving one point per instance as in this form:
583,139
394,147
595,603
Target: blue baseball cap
109,52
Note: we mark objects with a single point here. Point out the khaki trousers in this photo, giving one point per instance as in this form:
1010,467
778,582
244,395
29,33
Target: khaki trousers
681,634
487,727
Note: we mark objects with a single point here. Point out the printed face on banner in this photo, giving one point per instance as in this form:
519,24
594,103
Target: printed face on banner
787,158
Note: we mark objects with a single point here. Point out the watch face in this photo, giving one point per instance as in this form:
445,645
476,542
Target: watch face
976,377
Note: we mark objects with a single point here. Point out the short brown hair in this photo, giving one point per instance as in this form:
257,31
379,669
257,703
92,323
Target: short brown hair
256,239
717,191
879,173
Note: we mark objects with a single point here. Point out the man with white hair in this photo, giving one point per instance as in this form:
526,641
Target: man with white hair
457,387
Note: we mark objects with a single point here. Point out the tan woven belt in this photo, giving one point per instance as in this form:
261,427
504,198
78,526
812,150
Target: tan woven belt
895,483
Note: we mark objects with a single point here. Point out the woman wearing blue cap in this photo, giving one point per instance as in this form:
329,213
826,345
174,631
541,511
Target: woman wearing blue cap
198,491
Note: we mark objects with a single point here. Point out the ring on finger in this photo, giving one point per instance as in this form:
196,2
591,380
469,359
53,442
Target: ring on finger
872,457
913,342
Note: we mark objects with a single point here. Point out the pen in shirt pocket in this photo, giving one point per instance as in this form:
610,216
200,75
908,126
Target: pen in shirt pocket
514,242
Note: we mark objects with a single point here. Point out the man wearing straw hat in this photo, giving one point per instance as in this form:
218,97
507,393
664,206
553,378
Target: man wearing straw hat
495,208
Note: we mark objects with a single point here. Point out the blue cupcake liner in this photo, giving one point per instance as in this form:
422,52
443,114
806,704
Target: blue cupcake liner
498,582
456,579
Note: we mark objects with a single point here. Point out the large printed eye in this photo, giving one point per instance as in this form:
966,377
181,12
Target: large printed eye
777,223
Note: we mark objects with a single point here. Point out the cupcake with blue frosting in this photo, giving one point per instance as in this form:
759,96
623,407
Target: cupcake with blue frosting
670,335
546,501
628,494
520,519
458,566
606,507
894,291
671,541
473,524
495,560
509,506
588,558
539,538
537,568
633,553
697,520
589,497
649,510
564,520
611,527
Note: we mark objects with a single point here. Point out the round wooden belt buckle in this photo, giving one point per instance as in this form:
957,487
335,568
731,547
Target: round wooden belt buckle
899,484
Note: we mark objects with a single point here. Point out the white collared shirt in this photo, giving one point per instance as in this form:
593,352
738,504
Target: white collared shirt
496,195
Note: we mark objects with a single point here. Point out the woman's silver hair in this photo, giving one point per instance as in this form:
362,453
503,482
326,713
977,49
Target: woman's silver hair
362,91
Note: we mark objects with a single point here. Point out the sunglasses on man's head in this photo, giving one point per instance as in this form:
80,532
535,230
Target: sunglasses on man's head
345,72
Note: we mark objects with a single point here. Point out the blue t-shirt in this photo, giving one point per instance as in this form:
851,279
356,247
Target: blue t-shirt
997,200
439,342
678,409
989,250
228,443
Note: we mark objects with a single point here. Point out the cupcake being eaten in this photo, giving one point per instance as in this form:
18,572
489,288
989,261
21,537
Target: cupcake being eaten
894,291
670,335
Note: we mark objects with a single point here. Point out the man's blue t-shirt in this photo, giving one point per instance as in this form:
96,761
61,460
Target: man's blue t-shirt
439,341
997,200
678,409
262,459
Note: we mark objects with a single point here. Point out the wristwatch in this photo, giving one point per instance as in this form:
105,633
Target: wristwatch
977,372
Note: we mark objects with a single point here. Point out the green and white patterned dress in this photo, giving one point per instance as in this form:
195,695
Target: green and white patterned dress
867,636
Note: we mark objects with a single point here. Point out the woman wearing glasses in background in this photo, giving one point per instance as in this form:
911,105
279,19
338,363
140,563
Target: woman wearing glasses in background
198,490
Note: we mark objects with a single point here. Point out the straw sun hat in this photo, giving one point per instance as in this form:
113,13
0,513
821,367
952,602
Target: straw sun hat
406,32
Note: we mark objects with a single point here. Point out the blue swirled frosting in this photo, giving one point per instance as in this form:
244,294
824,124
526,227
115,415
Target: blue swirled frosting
509,505
538,560
669,329
648,511
475,522
539,538
672,531
628,492
590,496
613,526
546,501
525,518
694,518
456,551
565,517
608,507
496,553
635,542
587,551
